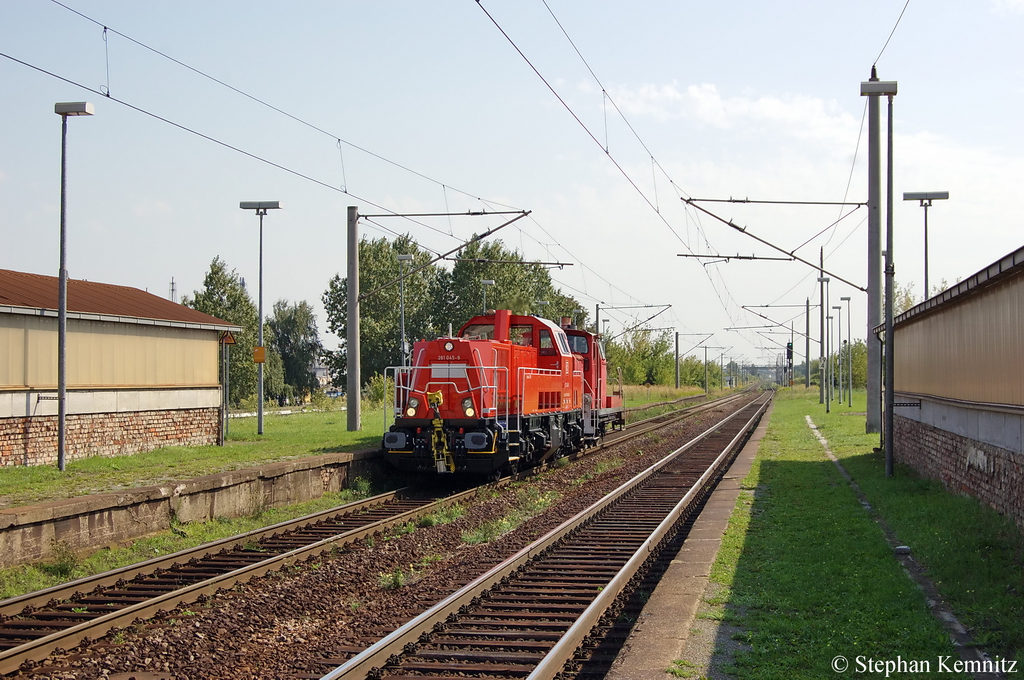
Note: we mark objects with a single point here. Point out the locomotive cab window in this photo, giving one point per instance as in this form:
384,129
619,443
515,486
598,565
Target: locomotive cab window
579,344
483,331
562,342
547,346
521,334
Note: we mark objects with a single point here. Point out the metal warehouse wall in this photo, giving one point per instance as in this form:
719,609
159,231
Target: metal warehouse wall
969,351
105,354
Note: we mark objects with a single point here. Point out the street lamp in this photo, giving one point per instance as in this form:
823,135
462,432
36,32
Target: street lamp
260,352
543,304
926,198
484,283
401,306
64,110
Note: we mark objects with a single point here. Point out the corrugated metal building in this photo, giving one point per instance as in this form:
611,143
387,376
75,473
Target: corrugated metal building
142,371
961,355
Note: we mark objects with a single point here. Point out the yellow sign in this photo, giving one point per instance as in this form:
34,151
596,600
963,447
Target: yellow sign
259,354
227,338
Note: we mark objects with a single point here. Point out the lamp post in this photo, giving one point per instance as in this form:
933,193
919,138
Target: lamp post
64,110
260,352
483,284
926,198
401,306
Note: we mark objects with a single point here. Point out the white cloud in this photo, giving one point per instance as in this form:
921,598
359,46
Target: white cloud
1008,6
704,104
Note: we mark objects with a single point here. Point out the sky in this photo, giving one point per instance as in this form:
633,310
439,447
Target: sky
599,117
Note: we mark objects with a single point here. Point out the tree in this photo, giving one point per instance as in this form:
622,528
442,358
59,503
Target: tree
691,370
434,297
379,312
274,386
225,297
645,358
518,285
297,341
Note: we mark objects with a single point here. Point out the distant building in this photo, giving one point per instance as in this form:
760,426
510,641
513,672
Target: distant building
323,377
142,371
959,383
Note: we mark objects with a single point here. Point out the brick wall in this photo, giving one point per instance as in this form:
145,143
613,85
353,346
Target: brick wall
993,475
33,440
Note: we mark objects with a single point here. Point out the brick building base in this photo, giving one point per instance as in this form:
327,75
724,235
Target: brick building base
33,440
993,475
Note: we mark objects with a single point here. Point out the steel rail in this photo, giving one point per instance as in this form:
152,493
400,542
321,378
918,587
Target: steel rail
390,648
564,650
13,606
92,626
11,659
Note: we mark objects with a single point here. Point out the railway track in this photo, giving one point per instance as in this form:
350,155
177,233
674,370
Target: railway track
536,613
34,625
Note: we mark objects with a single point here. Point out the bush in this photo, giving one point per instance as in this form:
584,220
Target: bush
379,391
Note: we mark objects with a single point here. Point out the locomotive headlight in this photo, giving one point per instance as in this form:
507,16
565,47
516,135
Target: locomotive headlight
467,407
411,412
414,402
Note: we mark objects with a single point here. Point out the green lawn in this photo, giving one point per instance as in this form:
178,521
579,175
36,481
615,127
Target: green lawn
639,395
809,575
285,437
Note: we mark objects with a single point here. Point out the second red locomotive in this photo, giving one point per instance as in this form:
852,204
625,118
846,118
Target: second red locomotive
507,392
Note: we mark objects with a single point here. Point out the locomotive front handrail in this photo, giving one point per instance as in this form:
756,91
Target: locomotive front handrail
482,387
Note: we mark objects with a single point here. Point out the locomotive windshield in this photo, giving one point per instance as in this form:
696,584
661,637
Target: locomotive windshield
579,344
521,334
482,331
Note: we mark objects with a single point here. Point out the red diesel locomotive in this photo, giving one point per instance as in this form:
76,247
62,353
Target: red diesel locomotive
507,392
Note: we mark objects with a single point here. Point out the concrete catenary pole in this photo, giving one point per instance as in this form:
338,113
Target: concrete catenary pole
807,341
352,336
873,422
821,343
890,341
677,360
706,390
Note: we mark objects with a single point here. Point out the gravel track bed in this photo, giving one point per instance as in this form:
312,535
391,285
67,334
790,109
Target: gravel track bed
278,625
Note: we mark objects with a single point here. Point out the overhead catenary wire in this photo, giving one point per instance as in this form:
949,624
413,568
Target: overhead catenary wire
219,142
338,139
256,99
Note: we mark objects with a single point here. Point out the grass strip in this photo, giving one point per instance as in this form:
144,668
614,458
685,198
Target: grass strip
808,574
529,502
68,566
974,555
285,437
